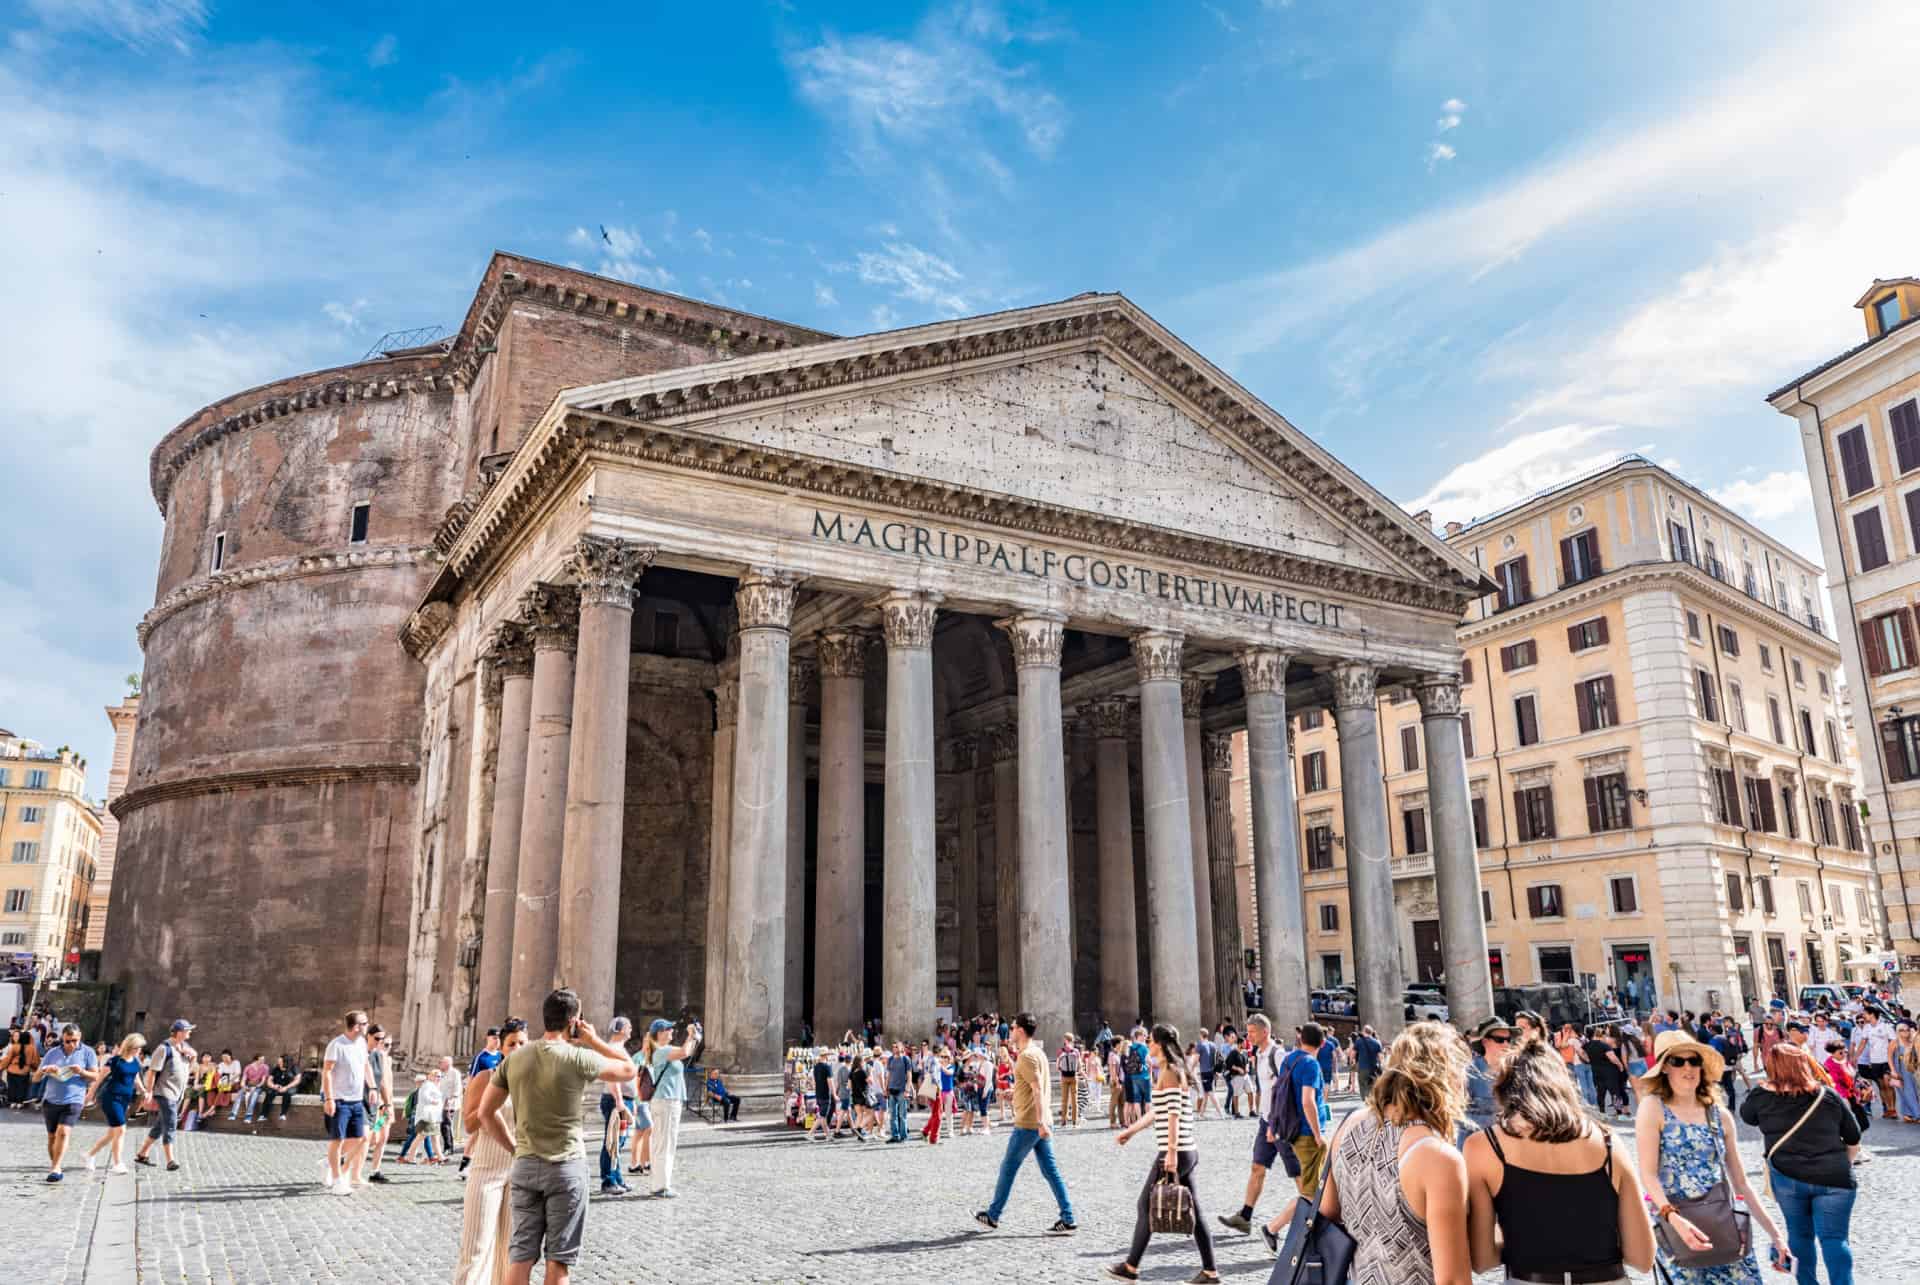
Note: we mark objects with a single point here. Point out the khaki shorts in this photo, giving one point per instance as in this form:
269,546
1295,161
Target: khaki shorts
1312,1157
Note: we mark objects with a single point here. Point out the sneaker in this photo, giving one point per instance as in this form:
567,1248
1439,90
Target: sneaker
1236,1222
987,1220
326,1174
614,1189
1273,1240
341,1188
378,1177
666,1193
120,1168
1061,1227
173,1166
90,1163
56,1176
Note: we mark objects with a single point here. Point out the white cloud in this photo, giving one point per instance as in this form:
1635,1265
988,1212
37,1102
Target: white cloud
385,51
823,295
1777,495
621,252
345,316
886,91
138,23
1438,153
1453,107
1517,468
704,238
915,275
1221,16
1769,136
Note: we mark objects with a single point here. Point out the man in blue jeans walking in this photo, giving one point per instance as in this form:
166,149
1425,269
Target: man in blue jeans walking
1032,1130
899,1075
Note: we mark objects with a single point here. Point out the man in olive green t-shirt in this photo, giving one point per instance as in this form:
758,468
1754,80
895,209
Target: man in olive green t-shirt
545,1079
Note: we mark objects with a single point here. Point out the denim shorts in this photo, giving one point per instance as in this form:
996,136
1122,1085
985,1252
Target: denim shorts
549,1209
60,1114
166,1114
643,1115
349,1120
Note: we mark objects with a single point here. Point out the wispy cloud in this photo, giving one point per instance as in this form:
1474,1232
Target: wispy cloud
619,251
1517,468
1222,17
345,316
884,91
1438,154
138,23
1765,499
823,295
385,51
912,274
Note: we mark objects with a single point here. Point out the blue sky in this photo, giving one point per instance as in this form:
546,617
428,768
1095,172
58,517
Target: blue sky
1473,248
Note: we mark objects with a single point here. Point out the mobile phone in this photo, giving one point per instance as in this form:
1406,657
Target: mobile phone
1782,1259
573,1029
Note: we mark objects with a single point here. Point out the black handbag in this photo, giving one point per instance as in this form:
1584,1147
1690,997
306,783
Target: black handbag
1317,1250
1170,1207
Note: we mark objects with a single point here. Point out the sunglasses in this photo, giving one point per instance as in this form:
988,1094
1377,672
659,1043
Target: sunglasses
1496,1039
1688,1060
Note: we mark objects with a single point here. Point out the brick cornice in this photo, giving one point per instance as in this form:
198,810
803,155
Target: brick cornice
264,778
307,564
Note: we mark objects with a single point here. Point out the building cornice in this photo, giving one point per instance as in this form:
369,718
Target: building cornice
454,363
1622,580
277,569
656,419
261,779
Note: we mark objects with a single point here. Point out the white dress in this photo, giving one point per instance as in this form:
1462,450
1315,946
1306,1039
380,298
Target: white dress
487,1217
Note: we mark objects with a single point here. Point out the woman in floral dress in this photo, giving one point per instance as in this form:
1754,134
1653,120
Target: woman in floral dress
1685,1140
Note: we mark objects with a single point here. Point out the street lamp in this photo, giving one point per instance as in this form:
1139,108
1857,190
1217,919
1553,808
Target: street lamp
1773,866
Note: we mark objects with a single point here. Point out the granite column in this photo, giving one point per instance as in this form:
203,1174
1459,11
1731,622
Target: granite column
1227,949
1046,961
1456,863
552,615
908,976
726,701
1163,781
1193,692
1278,903
1363,797
1005,738
509,658
1119,935
800,671
840,866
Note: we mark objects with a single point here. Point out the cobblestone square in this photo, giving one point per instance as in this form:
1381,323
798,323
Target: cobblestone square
760,1204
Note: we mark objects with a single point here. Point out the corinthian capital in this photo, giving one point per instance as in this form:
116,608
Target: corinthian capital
1037,637
843,652
1217,752
607,570
764,599
1156,655
906,617
1439,695
1193,694
1354,685
1006,741
1264,669
551,614
1111,716
509,654
800,675
963,752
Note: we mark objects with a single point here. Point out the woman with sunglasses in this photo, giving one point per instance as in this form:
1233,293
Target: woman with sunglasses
1685,1140
1561,1191
1811,1139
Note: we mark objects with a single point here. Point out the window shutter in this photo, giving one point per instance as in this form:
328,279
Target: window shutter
1590,542
1573,637
1506,660
1569,571
1906,435
1853,460
1593,805
1872,648
1606,699
1466,671
1526,585
1466,733
1906,636
1869,539
1583,702
1600,630
1534,902
1523,823
1767,814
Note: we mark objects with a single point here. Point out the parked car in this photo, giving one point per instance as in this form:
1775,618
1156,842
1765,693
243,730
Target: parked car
1830,995
1426,1006
1557,1003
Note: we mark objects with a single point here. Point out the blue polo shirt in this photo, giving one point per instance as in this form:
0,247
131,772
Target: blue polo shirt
1366,1053
68,1092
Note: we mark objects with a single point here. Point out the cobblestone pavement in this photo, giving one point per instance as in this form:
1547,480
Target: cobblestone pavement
759,1204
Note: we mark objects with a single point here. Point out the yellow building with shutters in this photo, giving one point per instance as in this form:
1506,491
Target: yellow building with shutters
49,842
1664,788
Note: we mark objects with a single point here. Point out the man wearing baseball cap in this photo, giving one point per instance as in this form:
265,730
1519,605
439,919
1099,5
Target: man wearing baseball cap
166,1082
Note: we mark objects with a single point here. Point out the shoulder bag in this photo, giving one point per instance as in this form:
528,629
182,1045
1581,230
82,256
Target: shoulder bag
1725,1224
1316,1250
1819,1092
1169,1205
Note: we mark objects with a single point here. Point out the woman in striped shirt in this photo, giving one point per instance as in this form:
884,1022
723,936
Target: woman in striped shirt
1175,1152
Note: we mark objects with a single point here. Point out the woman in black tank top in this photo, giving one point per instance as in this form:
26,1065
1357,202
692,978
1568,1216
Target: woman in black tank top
1564,1199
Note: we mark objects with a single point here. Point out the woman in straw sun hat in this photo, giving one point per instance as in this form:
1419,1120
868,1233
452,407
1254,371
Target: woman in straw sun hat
1685,1140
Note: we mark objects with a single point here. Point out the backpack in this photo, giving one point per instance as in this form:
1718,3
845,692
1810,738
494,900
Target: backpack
643,1084
1132,1062
1070,1062
1290,1124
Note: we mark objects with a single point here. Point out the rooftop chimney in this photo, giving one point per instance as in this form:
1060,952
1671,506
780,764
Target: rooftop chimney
1455,528
1425,518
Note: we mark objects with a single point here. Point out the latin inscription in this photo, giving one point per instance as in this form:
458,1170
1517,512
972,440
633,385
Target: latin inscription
1195,590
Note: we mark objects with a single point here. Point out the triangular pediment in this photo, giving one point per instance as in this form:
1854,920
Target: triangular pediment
1084,407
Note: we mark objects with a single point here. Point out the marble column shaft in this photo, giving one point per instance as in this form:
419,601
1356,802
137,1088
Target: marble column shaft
840,870
552,613
908,975
1170,892
799,687
1227,951
1046,960
965,755
1005,740
726,699
1381,980
1456,863
1278,898
510,659
606,572
1113,807
1193,691
756,946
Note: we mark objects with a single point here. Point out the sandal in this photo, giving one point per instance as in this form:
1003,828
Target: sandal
1204,1278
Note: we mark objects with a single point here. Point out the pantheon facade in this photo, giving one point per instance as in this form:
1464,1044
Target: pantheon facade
715,666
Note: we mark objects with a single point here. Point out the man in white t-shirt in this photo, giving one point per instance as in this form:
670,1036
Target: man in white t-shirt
343,1097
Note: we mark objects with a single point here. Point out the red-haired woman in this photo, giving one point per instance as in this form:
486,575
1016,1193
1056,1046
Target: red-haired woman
1811,1139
